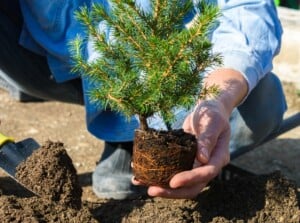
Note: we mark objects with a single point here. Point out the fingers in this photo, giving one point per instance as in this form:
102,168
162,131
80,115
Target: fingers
205,144
221,154
195,176
202,150
191,183
180,193
186,184
187,125
135,182
207,122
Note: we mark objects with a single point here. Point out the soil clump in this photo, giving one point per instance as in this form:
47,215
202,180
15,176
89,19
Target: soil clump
48,172
159,155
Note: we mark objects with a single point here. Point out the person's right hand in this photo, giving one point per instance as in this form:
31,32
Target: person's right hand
209,123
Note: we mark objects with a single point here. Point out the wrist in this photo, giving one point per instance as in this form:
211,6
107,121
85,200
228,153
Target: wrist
232,87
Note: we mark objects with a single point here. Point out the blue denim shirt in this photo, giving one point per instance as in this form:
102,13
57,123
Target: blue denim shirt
248,37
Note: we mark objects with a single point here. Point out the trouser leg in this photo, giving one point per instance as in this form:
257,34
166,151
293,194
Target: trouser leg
259,115
112,176
29,72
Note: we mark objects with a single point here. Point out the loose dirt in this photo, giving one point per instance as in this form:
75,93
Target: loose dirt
49,172
158,156
270,196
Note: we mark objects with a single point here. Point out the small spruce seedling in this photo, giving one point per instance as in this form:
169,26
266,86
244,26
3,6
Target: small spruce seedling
149,61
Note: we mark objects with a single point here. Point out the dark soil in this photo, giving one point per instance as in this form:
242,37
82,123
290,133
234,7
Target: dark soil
35,209
159,155
52,175
265,198
48,172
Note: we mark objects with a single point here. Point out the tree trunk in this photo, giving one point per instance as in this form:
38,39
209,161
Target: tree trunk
143,123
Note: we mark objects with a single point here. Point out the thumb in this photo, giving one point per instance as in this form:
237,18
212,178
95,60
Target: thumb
205,144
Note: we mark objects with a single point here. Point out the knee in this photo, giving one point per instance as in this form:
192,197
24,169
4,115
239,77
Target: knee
264,108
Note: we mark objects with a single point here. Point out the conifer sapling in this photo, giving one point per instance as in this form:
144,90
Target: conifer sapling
149,62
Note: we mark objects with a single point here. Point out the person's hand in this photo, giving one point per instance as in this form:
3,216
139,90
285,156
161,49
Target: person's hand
209,123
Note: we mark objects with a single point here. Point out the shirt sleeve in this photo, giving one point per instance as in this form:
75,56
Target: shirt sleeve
49,26
248,36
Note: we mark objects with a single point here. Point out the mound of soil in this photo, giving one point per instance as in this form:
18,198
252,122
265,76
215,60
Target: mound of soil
48,172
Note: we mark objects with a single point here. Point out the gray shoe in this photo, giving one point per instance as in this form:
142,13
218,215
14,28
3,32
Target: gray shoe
112,176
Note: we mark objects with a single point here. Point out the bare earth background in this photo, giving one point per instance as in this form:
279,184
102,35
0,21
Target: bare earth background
63,122
66,123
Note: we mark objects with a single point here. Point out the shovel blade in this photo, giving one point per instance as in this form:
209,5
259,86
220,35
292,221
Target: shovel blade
12,154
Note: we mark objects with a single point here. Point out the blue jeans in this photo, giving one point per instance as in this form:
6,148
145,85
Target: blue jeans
260,115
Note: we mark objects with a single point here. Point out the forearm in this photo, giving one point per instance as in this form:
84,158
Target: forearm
248,37
232,86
